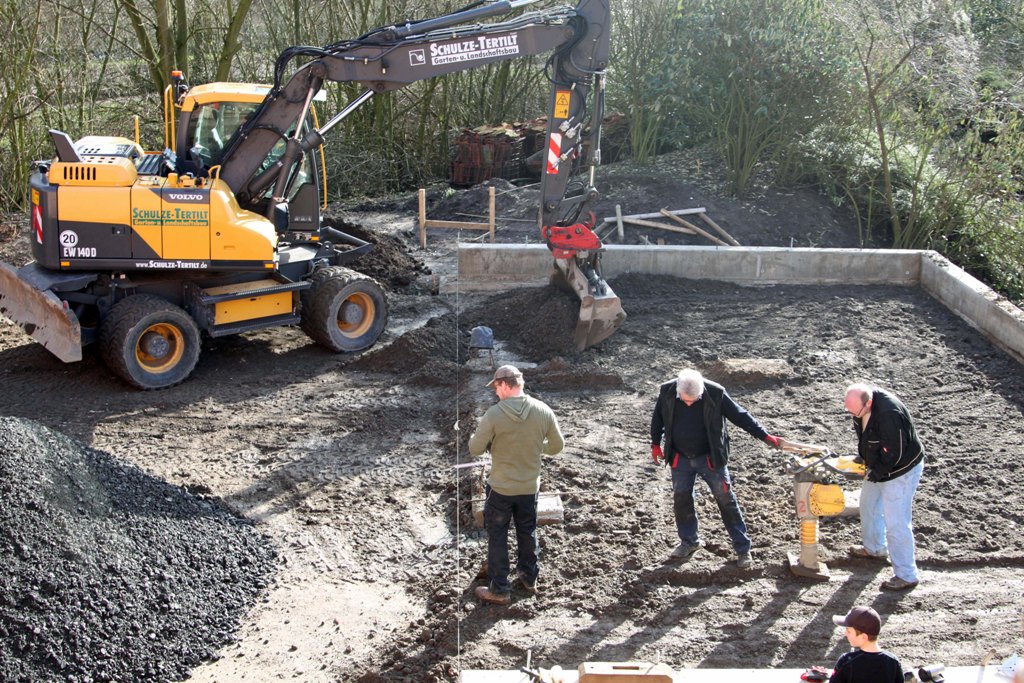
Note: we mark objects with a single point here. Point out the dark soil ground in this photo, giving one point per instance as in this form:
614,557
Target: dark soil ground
344,462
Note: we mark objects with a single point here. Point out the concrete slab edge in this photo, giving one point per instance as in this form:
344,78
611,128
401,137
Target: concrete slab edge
499,267
975,302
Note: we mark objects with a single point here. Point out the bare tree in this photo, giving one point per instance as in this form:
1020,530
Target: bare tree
165,33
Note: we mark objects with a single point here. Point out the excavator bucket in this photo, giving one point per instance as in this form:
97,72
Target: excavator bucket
600,310
41,314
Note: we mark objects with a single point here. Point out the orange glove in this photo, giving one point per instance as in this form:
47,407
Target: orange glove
773,441
657,455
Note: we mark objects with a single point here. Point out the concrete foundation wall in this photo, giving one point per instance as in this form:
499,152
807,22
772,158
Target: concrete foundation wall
975,302
497,267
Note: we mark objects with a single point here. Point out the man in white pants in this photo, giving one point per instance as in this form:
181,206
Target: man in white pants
888,444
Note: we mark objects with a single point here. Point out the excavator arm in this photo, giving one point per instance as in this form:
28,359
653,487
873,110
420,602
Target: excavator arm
392,57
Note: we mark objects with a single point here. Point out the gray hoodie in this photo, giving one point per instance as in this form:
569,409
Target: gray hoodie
516,431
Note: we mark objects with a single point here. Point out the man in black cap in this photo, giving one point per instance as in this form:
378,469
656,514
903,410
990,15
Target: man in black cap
516,430
866,663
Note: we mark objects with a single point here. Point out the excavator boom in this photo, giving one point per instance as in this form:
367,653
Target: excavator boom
392,57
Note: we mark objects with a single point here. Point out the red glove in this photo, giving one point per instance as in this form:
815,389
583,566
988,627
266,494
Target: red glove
657,455
773,441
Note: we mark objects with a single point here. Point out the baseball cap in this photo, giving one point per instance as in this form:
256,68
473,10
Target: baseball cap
505,372
864,619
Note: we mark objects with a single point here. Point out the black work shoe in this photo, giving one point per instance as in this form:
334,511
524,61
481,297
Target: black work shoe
684,551
485,595
898,584
529,586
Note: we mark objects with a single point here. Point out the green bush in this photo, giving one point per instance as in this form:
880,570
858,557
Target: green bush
756,77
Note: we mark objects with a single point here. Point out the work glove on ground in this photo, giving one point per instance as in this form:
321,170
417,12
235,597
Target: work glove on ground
657,455
773,441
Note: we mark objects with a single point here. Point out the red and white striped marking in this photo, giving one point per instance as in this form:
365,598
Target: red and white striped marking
554,153
37,222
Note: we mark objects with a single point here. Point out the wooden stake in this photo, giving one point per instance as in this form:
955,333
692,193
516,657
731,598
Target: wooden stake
693,227
720,230
490,204
618,222
423,218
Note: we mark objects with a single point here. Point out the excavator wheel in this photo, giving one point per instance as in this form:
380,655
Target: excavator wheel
344,310
149,342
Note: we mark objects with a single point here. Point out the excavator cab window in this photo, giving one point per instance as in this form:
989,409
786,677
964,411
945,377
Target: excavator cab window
212,127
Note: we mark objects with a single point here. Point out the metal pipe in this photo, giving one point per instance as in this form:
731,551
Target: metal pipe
494,9
343,114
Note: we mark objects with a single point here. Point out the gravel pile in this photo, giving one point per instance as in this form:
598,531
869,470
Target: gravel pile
108,573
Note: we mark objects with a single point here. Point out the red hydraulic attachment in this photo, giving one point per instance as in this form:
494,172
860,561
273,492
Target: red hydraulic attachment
565,240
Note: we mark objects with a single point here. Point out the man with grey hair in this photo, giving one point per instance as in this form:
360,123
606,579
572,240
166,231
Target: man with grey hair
894,457
689,417
516,430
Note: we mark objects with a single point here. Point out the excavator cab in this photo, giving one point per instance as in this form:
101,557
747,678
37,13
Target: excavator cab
212,116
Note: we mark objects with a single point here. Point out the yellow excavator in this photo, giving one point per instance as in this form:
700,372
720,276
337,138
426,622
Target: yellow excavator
221,232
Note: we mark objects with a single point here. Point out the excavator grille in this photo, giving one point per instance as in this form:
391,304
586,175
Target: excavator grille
77,172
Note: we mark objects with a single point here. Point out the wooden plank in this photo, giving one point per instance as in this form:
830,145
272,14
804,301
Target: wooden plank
457,224
720,229
651,224
677,212
424,223
693,227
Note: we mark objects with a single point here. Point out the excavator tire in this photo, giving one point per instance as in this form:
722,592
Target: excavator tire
149,342
344,310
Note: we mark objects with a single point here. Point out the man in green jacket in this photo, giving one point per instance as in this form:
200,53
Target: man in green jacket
516,430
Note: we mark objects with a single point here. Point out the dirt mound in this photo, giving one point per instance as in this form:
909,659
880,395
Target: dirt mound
558,373
110,574
473,202
536,323
389,263
427,355
750,372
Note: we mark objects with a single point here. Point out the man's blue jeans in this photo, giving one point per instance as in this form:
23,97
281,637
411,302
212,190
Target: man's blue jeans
684,475
885,520
499,512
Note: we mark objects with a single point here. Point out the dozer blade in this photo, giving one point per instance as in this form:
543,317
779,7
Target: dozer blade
41,314
600,310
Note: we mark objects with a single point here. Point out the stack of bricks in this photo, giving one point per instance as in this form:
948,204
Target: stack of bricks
487,152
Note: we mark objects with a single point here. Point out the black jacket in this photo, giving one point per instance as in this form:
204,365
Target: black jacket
718,406
888,443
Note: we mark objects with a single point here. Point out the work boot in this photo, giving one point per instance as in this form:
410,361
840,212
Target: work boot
529,586
684,551
486,595
862,553
744,560
898,584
